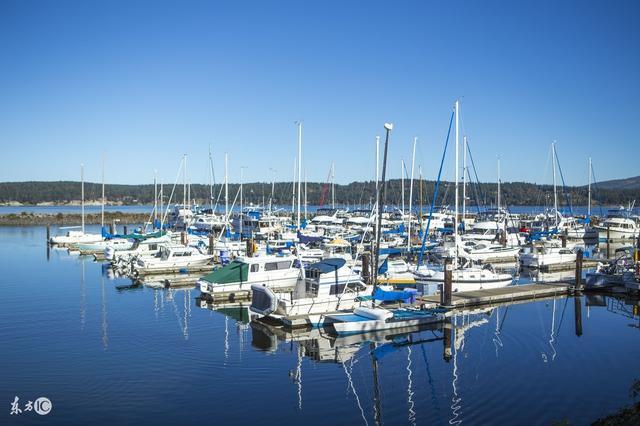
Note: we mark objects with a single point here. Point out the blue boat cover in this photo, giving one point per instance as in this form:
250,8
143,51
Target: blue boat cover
392,296
328,265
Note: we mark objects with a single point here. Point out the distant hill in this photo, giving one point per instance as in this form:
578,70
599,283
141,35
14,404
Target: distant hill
628,183
615,192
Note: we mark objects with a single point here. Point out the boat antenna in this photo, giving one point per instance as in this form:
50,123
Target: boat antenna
388,127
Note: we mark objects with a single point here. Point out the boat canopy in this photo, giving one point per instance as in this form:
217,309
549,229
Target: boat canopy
328,265
234,272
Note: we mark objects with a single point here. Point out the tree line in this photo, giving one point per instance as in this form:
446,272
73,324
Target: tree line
355,193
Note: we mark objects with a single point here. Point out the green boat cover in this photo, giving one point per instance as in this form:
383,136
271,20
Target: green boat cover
234,272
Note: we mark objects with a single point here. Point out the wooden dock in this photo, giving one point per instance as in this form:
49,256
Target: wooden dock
531,292
474,299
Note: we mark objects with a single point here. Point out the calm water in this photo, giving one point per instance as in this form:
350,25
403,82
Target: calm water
103,353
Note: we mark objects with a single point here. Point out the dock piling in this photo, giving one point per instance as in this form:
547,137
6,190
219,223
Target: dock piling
608,240
48,233
563,238
125,229
183,238
445,295
579,256
447,331
366,275
578,315
211,243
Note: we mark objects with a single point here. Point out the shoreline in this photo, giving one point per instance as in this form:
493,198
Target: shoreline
68,219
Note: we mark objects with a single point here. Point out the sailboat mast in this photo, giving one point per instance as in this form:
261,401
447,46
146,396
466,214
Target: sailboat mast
241,201
333,185
184,183
226,187
555,193
413,163
82,194
161,204
155,195
402,185
299,167
377,162
210,180
589,196
102,208
455,221
380,200
499,204
305,194
464,180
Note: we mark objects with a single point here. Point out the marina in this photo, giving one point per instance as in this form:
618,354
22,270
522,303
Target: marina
319,213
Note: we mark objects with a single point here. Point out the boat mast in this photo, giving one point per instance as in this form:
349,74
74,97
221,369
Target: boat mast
377,162
102,208
380,200
305,194
589,196
402,186
226,187
455,221
464,180
155,196
82,194
333,185
413,163
555,194
161,205
211,180
241,205
299,167
293,189
421,202
184,183
499,204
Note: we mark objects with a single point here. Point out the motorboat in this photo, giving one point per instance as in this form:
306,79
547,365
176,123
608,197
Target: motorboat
329,285
172,257
275,272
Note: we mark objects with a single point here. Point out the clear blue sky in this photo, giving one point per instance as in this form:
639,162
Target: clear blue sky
144,82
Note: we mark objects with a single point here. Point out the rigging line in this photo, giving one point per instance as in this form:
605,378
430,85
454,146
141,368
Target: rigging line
435,194
564,186
434,399
353,389
594,185
475,172
562,316
410,393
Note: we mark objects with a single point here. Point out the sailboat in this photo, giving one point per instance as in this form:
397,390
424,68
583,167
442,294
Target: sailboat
465,276
76,237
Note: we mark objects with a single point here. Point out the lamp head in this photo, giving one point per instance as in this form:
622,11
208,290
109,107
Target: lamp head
388,126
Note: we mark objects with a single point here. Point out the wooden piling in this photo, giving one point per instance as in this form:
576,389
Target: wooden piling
211,243
366,271
111,229
563,238
48,233
608,240
125,229
445,295
578,315
579,256
447,331
183,238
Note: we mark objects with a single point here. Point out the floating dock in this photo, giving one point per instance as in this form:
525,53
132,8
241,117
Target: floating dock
472,299
531,292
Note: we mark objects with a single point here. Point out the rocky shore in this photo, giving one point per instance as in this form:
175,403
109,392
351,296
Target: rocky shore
69,219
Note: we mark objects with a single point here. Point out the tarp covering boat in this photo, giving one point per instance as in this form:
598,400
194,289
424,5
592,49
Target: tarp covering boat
234,272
